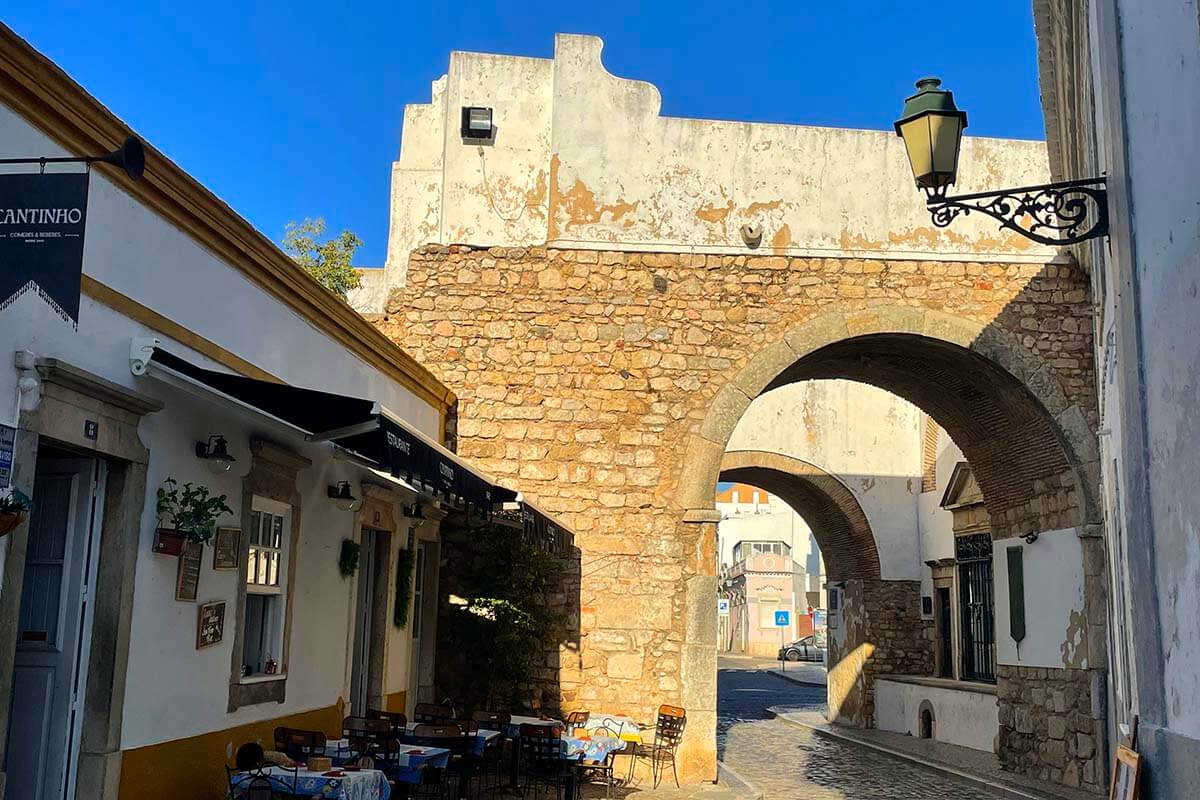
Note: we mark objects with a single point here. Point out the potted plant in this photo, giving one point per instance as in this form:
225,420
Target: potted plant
191,512
14,507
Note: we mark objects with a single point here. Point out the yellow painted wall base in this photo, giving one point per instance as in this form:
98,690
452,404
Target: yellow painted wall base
193,768
397,701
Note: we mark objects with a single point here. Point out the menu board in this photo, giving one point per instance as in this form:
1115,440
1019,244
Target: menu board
227,548
210,628
187,579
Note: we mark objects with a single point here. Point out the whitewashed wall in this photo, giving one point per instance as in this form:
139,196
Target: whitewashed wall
583,158
867,438
175,690
129,248
962,717
1055,625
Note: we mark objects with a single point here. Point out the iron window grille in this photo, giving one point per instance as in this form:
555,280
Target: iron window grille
974,555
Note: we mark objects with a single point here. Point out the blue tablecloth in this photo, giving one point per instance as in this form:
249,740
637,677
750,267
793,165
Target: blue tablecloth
480,738
367,784
409,761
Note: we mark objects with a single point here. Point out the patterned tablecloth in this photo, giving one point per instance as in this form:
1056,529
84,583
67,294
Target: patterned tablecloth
624,726
596,749
409,760
367,784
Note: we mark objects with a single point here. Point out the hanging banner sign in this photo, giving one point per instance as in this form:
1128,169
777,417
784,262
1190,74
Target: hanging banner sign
42,219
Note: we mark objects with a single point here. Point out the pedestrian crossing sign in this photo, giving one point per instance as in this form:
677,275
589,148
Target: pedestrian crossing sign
782,619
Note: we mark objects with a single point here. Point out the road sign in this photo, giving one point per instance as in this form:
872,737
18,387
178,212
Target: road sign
782,619
722,605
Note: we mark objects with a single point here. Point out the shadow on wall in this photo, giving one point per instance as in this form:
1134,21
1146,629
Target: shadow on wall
507,609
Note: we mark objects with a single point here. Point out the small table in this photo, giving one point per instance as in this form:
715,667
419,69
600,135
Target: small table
363,784
480,738
409,760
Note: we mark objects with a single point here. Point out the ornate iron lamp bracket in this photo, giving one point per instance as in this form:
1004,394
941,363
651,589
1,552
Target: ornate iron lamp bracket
1061,213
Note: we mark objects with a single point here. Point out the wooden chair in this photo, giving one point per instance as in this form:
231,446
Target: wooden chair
492,720
299,743
668,733
541,752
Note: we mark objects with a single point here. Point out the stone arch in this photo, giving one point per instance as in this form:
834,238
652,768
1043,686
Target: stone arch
837,520
990,393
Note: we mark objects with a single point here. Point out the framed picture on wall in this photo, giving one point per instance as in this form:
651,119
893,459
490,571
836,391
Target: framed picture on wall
210,627
187,575
1126,773
227,549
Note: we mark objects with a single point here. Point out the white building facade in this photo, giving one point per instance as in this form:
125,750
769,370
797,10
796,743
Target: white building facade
1119,84
132,672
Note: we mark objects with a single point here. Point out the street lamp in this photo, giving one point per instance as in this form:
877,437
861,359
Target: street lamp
1067,212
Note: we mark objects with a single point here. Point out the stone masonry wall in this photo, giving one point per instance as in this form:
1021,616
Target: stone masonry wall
883,634
587,377
1046,725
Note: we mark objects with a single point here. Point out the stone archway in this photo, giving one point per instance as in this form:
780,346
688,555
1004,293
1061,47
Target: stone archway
880,627
1033,451
606,382
837,520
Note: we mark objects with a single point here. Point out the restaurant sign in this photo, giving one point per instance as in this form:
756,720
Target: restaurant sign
42,220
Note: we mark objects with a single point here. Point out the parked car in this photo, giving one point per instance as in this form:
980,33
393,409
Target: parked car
807,649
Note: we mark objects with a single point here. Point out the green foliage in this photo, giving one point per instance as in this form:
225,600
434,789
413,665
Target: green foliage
193,511
404,579
506,623
328,261
15,502
348,558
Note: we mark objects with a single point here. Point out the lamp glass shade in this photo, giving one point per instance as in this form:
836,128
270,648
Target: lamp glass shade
932,141
932,127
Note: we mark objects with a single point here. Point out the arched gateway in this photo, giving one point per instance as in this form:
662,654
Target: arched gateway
610,382
632,281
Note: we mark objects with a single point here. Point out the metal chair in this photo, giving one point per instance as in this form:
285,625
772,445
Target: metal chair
493,755
299,743
397,719
248,779
432,713
448,737
541,752
668,732
601,771
368,738
577,719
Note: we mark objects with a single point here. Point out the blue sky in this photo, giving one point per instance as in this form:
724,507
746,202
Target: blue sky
288,110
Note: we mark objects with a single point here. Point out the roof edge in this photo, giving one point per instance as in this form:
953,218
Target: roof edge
40,91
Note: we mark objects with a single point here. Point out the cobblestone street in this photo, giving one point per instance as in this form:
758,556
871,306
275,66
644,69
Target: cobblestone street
784,761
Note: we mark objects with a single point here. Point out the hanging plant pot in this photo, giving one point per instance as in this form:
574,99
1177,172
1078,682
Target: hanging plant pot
169,542
9,520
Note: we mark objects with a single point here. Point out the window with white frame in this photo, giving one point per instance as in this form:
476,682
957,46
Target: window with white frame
269,541
767,606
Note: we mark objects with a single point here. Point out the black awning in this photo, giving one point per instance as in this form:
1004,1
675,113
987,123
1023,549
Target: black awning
358,426
545,530
307,409
426,465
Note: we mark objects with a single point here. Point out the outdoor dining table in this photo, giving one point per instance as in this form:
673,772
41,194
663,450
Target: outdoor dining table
363,784
410,760
480,738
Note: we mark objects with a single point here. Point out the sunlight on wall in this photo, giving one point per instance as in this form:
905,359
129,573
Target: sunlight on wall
847,682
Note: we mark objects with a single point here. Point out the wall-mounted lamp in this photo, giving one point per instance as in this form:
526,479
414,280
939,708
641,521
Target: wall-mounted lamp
1030,537
477,123
1061,213
414,511
343,497
215,454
